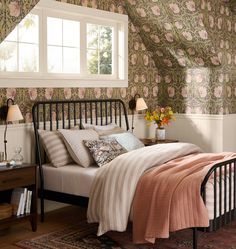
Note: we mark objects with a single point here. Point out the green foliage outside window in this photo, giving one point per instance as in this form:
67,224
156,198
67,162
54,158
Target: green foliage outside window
99,49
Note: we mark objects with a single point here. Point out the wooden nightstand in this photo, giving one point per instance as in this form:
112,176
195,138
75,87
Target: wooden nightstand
152,141
23,176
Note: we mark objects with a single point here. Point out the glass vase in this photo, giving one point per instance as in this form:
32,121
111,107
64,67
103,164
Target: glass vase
18,158
160,133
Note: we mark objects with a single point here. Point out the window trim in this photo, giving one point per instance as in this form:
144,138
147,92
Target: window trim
83,15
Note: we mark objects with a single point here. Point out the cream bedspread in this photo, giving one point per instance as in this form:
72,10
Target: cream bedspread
115,183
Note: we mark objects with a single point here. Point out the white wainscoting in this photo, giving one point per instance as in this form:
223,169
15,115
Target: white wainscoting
19,135
213,133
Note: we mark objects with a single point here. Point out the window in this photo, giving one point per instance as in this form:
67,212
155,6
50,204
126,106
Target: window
19,52
65,45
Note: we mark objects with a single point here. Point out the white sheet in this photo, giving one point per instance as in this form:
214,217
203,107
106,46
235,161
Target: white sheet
70,179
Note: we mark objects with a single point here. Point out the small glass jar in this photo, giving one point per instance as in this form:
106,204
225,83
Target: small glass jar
18,158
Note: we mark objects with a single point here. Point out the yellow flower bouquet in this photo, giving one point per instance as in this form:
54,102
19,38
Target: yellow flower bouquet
160,116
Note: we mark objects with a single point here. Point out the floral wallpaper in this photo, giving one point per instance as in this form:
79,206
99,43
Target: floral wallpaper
181,53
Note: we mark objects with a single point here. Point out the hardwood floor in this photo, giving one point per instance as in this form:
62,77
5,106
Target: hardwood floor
54,220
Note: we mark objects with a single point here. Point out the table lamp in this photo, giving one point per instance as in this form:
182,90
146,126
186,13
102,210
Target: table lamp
136,103
13,114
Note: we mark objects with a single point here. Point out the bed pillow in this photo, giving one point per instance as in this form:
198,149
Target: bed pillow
74,142
126,139
104,151
55,148
104,130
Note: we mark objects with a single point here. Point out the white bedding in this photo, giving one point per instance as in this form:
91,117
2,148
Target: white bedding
70,179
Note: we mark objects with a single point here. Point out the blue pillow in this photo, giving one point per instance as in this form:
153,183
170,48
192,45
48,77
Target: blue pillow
126,139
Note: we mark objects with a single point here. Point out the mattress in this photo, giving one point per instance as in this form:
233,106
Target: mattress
76,180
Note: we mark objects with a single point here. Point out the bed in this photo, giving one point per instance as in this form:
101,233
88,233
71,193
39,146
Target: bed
218,189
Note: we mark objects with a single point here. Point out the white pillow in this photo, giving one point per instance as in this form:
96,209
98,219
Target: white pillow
55,148
126,139
74,142
103,130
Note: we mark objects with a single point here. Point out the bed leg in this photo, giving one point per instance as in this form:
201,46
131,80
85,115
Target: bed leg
195,237
42,207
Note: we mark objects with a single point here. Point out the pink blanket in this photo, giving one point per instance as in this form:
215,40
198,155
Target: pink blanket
168,197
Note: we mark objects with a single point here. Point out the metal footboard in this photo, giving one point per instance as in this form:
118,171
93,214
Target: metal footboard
223,178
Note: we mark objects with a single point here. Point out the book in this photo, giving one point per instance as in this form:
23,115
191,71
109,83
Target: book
20,205
24,201
15,199
28,202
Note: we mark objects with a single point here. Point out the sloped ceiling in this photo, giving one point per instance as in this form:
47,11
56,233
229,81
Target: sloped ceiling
193,46
11,13
173,30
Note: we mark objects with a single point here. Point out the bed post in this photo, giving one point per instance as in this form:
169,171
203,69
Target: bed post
195,233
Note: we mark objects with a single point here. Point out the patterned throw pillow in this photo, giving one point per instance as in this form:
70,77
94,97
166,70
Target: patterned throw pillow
55,148
104,151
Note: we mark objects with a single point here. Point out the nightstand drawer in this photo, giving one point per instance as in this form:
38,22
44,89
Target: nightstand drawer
17,178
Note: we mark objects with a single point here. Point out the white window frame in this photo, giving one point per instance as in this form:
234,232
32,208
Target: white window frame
119,77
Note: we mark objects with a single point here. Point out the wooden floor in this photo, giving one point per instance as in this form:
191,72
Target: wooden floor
54,220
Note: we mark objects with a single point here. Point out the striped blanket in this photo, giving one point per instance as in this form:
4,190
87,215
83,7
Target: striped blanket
115,183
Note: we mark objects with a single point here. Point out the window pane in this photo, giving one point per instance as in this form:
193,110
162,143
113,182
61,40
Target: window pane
54,31
71,63
106,34
54,59
8,56
28,58
99,44
71,33
29,29
12,36
92,60
105,62
92,36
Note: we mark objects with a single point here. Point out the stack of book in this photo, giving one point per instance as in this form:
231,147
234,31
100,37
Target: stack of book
21,201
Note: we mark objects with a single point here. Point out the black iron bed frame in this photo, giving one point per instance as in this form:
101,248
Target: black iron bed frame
52,115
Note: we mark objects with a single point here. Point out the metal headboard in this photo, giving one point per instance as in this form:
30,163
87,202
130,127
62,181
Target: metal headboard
66,114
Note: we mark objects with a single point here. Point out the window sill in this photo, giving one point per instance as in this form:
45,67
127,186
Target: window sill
26,82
